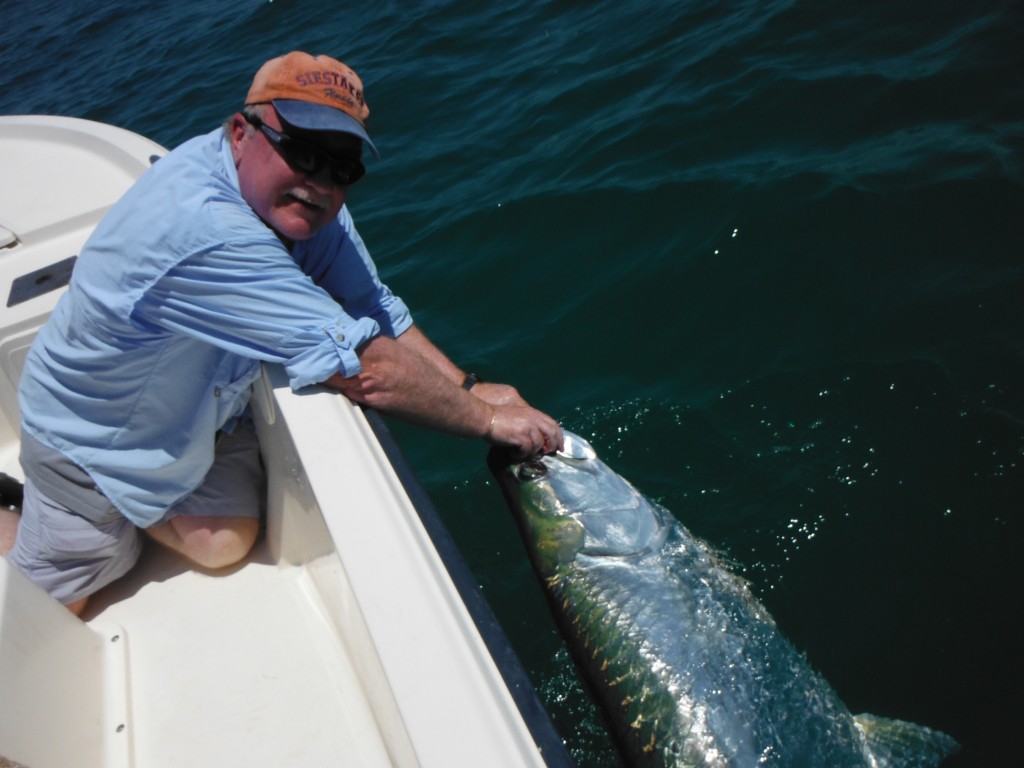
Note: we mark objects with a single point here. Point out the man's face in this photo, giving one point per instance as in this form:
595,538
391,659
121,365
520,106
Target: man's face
293,203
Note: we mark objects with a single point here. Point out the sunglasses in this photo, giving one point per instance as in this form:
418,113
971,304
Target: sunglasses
309,158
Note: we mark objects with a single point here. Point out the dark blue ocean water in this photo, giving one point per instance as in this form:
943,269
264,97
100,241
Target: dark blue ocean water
767,256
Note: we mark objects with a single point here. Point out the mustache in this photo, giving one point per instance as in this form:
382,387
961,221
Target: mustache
309,197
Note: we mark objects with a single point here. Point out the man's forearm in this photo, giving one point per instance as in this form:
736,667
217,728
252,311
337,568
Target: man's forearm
416,381
397,379
416,341
491,392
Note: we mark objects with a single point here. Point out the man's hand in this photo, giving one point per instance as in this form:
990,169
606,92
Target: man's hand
497,394
526,429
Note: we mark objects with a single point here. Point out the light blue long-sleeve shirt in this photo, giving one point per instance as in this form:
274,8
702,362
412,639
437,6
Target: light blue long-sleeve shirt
178,295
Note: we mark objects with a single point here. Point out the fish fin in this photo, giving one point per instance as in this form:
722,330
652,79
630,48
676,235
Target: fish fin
898,744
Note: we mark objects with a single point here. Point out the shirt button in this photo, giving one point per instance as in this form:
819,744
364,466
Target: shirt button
216,391
340,337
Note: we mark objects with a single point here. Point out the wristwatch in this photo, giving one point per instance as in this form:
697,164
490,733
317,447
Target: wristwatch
470,380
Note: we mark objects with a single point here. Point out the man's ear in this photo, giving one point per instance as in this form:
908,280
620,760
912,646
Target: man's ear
236,133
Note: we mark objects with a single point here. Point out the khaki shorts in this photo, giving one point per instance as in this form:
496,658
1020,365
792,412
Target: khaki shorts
72,556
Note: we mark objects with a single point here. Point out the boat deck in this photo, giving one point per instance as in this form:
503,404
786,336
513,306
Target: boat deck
241,669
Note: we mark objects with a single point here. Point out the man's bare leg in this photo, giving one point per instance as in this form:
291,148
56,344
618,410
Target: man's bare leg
78,606
211,542
8,529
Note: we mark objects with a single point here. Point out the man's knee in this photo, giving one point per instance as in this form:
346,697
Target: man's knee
212,542
221,546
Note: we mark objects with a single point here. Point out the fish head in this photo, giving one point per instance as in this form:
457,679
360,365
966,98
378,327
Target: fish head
570,504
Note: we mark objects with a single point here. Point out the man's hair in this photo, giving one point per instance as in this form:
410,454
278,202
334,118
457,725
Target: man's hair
257,110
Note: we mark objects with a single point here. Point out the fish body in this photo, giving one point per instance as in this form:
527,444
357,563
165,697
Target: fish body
687,664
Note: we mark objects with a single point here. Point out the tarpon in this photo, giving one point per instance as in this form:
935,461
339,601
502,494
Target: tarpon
689,667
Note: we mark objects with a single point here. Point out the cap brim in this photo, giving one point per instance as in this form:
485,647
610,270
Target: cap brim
317,117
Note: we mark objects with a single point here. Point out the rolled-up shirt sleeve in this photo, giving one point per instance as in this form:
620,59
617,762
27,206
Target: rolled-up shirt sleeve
319,360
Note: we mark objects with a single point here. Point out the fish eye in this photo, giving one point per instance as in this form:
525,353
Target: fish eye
531,470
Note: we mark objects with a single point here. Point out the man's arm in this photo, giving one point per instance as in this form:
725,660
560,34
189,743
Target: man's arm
491,392
414,380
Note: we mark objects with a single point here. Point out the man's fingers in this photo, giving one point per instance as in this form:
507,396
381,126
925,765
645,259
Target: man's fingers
527,430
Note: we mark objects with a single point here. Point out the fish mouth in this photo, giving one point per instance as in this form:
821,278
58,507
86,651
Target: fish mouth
504,459
575,447
512,470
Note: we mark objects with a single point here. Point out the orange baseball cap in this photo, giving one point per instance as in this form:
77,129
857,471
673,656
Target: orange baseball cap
316,93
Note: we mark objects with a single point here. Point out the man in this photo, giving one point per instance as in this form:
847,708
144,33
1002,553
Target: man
234,249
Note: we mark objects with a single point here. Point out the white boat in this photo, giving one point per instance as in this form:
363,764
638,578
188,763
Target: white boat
352,635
